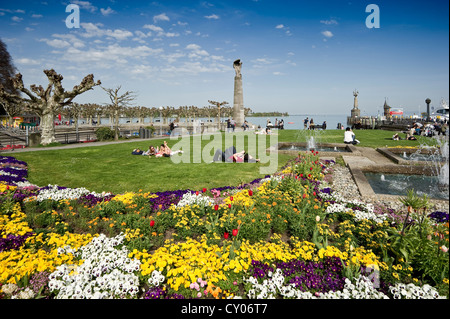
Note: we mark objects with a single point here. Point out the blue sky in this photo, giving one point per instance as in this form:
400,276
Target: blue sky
301,57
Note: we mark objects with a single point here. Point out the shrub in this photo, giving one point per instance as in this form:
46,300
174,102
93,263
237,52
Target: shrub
104,134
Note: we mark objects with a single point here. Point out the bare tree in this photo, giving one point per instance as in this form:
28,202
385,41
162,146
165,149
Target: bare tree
73,110
101,110
44,103
118,104
219,106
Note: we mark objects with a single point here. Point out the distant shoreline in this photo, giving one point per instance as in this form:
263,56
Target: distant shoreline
267,114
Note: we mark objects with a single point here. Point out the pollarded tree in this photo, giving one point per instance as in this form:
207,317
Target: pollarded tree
46,103
219,105
118,104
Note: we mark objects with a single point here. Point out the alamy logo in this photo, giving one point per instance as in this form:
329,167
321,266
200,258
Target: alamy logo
73,19
373,19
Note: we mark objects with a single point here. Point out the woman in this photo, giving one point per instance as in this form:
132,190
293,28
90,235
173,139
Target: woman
349,137
152,151
244,157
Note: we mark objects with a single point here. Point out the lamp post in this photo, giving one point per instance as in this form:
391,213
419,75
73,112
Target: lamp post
160,121
428,101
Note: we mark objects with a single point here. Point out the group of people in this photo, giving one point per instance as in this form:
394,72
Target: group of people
278,124
162,151
429,129
312,125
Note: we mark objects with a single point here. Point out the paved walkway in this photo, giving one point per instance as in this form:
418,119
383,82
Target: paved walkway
78,145
369,156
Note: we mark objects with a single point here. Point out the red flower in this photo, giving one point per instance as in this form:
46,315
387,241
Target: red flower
314,193
229,205
304,195
310,168
309,175
235,232
225,235
216,207
196,193
250,192
152,223
231,198
204,190
301,175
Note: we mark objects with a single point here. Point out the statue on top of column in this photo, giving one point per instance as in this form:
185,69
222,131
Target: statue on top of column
237,67
355,103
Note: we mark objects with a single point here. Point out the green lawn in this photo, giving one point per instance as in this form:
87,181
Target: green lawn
112,168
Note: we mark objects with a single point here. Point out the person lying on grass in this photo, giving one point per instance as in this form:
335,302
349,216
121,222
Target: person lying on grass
230,155
165,151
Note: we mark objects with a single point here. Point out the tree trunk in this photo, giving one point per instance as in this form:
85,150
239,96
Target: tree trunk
48,129
116,126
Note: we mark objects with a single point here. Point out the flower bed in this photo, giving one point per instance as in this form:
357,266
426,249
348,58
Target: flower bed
283,236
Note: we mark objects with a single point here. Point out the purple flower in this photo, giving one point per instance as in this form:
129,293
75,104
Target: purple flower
13,242
439,217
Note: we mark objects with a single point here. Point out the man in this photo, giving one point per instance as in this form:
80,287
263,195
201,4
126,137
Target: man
305,122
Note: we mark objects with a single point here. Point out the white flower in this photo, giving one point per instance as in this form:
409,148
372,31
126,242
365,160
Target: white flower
190,199
9,289
27,293
106,272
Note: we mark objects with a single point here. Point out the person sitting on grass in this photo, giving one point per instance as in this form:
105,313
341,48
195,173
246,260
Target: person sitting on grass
395,137
349,137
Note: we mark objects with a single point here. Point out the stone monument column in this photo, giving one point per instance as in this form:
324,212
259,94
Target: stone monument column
355,111
238,105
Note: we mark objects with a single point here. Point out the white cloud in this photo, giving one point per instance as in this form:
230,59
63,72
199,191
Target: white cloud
143,70
37,16
28,29
283,27
27,61
16,19
196,51
77,43
56,43
160,31
212,17
119,34
94,30
328,22
86,5
160,17
107,11
328,34
107,56
153,28
260,62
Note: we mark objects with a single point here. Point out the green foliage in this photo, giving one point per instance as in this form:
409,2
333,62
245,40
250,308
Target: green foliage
104,134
